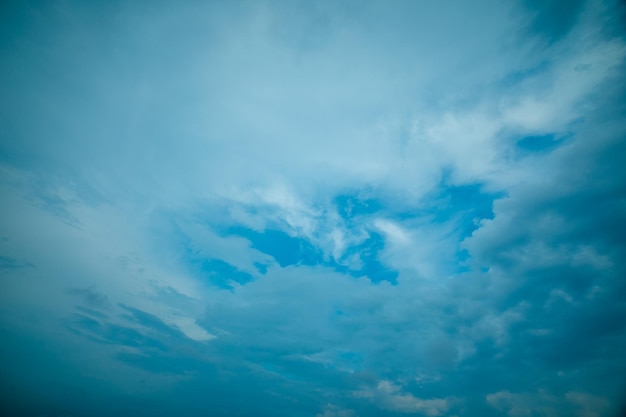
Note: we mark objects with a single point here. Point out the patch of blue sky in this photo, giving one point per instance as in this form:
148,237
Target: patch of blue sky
262,268
447,202
288,250
467,203
533,144
222,274
285,249
464,205
215,271
368,253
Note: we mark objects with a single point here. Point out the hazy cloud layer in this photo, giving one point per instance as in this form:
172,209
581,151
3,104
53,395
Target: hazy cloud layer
324,209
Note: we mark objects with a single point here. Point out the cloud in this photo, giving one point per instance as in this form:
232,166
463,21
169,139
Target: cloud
543,403
392,398
91,297
11,263
334,411
330,209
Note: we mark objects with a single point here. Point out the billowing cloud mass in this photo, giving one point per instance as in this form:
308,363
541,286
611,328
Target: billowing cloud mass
313,209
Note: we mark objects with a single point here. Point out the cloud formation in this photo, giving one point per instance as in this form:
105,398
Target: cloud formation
331,209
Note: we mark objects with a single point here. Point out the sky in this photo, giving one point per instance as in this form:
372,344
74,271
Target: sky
288,208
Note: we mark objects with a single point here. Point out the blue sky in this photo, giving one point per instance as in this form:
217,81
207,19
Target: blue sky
313,209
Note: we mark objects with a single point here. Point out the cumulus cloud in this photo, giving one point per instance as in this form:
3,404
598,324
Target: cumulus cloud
392,398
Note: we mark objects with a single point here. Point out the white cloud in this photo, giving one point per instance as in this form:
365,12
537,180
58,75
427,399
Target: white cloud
589,405
393,232
541,403
391,397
